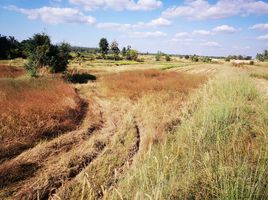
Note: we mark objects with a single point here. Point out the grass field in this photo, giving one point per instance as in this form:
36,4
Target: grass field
134,130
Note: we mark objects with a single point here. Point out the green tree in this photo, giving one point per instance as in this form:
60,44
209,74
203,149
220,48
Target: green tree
9,48
42,54
132,54
124,51
59,57
115,49
104,46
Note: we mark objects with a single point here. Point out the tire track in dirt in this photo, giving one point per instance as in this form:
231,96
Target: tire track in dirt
43,188
34,162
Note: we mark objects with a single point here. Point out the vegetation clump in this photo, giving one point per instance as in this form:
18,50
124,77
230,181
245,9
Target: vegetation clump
42,54
262,56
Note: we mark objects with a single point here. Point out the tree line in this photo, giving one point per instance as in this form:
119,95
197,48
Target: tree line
126,52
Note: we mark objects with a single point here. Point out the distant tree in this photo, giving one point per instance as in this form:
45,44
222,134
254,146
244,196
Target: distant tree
104,46
227,59
167,57
115,49
240,57
124,51
187,57
132,55
262,57
158,56
9,48
128,47
194,58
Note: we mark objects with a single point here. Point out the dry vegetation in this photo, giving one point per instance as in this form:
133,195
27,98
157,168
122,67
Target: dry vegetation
7,71
139,83
218,152
32,110
152,134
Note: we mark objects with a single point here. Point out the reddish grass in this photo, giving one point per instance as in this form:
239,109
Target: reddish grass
137,83
34,109
7,71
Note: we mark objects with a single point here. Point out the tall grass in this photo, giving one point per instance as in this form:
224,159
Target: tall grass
7,71
220,151
258,75
34,109
142,82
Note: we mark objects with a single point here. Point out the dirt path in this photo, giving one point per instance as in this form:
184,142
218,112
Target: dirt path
49,167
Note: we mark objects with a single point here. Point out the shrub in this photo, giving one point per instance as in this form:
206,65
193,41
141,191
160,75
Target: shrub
132,55
42,54
194,58
251,62
186,57
158,57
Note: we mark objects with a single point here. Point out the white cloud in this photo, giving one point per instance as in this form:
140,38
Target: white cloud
202,32
159,22
118,4
181,35
224,29
263,37
202,9
259,27
154,34
54,15
211,44
115,26
216,30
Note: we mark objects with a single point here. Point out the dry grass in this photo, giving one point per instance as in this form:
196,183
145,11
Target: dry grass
138,83
35,109
7,71
218,152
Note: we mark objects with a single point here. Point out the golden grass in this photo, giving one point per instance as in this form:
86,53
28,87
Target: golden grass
34,109
138,83
7,71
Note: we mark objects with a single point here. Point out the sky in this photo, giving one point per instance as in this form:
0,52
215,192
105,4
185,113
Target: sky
213,27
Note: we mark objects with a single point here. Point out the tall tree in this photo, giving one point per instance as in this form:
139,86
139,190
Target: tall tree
124,51
115,49
104,46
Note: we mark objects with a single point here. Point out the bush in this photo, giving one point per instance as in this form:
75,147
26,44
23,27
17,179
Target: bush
168,58
132,55
42,54
227,59
158,57
194,58
251,62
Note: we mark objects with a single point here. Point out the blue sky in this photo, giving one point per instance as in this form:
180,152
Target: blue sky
215,27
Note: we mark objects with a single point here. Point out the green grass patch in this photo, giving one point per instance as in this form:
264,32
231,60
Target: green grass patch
220,151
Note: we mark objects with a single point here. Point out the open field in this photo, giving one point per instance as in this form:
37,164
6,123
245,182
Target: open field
135,130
